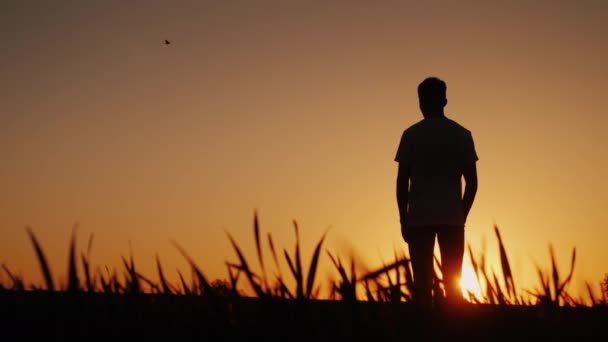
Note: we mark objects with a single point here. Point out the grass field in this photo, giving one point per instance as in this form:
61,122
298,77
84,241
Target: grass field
376,305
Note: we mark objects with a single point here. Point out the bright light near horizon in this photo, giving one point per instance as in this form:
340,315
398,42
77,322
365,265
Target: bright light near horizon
469,284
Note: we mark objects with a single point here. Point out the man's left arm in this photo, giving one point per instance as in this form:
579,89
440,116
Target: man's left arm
470,188
470,175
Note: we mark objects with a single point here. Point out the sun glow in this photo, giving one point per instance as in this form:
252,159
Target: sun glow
469,284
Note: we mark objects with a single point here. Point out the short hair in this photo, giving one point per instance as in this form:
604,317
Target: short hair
432,90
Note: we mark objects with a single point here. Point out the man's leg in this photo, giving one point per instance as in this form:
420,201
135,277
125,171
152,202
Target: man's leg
421,244
451,247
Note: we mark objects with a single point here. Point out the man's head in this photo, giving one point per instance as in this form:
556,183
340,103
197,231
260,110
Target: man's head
432,96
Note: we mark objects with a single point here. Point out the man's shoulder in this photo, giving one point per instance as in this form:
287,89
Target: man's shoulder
434,126
414,128
458,127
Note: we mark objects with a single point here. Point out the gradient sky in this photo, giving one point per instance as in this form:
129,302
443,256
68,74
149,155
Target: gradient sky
294,109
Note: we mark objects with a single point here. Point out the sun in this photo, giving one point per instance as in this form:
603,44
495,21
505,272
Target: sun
469,285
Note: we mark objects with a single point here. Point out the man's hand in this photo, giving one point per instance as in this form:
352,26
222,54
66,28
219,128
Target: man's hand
405,232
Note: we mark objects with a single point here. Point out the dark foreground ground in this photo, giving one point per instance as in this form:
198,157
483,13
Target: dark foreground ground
86,316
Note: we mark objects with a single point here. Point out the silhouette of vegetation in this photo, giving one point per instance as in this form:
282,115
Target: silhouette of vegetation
375,303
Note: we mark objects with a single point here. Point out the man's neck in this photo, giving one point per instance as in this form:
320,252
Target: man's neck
432,115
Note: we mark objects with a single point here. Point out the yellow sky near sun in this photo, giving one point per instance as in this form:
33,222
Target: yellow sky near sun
294,109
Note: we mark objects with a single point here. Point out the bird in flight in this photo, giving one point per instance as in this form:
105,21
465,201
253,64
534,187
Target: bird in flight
167,42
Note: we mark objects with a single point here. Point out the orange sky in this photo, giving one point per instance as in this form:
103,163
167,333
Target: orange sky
295,109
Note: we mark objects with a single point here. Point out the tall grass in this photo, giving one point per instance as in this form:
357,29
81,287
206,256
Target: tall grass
44,266
263,287
498,288
553,288
392,282
369,304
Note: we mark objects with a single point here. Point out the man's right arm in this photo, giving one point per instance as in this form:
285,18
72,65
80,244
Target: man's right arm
403,180
470,189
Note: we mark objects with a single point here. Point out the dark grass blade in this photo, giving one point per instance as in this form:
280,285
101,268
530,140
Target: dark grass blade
163,281
298,264
506,268
333,293
473,297
44,266
385,268
256,231
315,292
9,273
132,284
105,284
475,266
202,280
555,275
566,281
115,284
293,269
153,286
73,282
397,287
387,290
274,255
257,278
16,280
500,295
86,265
353,277
478,275
488,292
134,277
89,245
245,267
397,295
545,293
346,286
312,269
604,291
284,290
491,291
368,292
184,285
131,280
338,264
87,273
234,278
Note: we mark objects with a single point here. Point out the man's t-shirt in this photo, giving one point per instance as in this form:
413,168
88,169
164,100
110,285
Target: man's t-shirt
437,150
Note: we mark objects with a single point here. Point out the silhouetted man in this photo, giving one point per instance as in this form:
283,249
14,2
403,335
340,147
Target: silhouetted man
433,155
